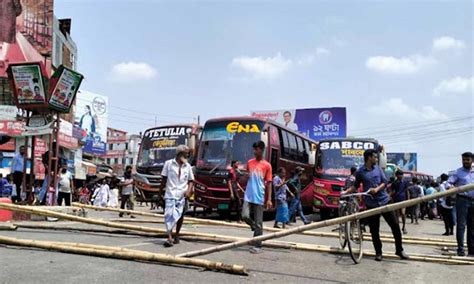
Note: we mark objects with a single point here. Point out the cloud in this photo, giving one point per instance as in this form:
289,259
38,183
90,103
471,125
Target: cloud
397,108
447,43
311,57
133,71
455,86
263,68
400,66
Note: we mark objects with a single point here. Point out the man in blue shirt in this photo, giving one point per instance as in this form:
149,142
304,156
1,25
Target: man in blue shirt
398,192
17,171
464,204
373,181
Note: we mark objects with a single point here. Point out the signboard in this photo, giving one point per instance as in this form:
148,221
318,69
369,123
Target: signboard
8,112
28,85
40,149
68,142
9,146
91,119
405,161
12,128
26,32
315,123
64,86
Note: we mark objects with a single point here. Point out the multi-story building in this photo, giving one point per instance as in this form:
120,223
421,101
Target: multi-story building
122,149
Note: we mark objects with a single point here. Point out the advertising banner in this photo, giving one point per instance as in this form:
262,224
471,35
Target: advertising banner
64,89
91,121
315,123
26,32
40,149
28,84
8,112
12,128
405,161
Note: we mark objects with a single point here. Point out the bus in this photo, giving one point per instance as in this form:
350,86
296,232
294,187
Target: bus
226,139
334,159
422,178
159,145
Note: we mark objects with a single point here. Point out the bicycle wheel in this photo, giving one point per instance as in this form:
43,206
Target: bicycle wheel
342,230
354,240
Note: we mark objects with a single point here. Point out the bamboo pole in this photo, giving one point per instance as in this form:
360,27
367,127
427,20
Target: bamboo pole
126,254
7,227
332,222
189,236
190,220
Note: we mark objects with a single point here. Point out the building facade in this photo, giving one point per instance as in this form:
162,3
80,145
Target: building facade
122,149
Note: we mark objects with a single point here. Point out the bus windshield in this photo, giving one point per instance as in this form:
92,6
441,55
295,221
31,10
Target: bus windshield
159,145
225,141
335,159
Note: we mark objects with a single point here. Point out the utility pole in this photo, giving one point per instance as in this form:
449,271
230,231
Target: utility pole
199,119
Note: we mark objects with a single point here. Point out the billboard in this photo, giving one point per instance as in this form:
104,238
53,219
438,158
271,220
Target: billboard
26,32
405,161
90,121
315,123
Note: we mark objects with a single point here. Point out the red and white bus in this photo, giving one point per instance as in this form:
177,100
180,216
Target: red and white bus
334,159
226,139
159,145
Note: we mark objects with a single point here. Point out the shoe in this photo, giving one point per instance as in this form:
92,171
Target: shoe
451,233
445,234
176,240
405,231
276,226
168,244
132,217
378,257
255,250
307,222
121,215
461,253
402,255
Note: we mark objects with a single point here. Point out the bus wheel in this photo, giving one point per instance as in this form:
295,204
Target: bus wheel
325,214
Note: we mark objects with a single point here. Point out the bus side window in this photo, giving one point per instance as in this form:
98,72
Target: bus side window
293,146
285,147
307,150
301,150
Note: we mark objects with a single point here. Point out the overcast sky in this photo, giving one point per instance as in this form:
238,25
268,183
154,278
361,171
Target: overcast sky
403,69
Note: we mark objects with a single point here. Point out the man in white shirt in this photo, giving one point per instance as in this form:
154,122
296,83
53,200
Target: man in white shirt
177,178
66,186
127,190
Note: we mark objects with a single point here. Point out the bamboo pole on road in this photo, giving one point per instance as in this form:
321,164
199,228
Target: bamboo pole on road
332,222
125,254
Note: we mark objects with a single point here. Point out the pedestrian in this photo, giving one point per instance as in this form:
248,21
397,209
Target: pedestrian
177,178
373,182
281,190
235,188
84,195
399,193
258,193
66,186
446,207
127,191
17,170
414,191
4,186
102,194
464,204
431,205
296,208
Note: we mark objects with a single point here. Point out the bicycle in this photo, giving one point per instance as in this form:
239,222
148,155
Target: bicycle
350,233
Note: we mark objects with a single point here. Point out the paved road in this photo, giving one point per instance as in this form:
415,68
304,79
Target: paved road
20,265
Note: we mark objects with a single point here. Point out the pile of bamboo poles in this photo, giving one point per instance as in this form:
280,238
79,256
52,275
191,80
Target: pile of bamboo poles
122,253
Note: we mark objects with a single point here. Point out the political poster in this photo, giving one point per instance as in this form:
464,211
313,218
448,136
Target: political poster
64,89
404,161
90,121
27,80
315,123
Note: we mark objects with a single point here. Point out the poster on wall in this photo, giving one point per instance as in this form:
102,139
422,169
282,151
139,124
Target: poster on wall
26,32
315,123
64,86
28,85
90,121
405,161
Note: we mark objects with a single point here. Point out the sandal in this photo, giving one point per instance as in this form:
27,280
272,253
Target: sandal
168,244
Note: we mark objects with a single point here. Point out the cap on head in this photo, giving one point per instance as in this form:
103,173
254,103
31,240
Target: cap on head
182,149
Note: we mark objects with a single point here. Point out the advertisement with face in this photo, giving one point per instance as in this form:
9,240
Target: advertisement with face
315,123
91,121
405,161
26,32
65,89
28,84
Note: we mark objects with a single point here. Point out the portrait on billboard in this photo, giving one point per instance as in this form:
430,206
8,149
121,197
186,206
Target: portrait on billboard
26,32
404,161
288,120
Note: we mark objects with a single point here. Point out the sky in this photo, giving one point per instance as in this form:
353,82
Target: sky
403,69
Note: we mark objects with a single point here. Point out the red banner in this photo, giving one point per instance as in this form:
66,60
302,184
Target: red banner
11,127
9,146
67,141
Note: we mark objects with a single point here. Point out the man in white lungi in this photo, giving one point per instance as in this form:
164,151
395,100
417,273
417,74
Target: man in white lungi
177,178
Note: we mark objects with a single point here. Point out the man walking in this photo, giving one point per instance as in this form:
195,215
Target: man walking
258,192
177,178
373,181
17,170
127,190
446,207
66,186
398,192
295,206
464,204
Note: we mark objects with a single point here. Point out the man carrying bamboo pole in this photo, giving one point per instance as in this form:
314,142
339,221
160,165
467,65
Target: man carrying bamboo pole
464,204
373,181
177,177
258,192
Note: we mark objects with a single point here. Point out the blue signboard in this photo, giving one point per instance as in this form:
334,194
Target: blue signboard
315,123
